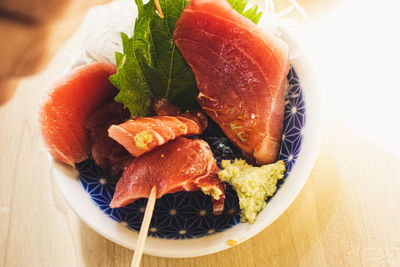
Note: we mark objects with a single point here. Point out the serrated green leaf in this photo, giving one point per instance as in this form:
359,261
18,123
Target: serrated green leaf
151,65
252,13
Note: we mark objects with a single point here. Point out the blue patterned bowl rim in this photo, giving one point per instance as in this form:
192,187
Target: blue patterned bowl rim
84,206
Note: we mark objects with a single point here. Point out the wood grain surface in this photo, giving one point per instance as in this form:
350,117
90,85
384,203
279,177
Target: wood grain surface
346,215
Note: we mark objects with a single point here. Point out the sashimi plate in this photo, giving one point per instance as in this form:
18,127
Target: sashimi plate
183,224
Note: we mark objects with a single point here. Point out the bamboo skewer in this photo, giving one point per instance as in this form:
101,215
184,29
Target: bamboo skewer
144,228
148,214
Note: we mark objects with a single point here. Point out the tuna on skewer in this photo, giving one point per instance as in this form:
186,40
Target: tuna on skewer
240,71
179,165
145,133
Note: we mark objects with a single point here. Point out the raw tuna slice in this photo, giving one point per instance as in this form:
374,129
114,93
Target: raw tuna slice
180,165
162,106
145,133
240,71
64,110
107,153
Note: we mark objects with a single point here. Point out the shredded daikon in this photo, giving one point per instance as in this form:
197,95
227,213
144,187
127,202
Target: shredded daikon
300,9
284,12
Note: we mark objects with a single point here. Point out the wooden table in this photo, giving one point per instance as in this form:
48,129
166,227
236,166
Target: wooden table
346,215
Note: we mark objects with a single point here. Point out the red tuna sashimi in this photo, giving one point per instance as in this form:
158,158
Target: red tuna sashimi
64,110
180,165
107,153
145,133
240,71
162,106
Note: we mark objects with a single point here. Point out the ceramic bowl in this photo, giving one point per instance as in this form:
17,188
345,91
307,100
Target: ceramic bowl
182,224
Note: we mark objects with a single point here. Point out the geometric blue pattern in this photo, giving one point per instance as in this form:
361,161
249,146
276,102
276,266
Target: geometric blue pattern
189,214
294,121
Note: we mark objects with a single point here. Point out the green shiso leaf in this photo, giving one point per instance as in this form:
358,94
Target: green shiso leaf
152,66
251,13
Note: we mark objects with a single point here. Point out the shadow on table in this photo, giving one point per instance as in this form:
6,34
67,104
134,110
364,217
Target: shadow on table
322,217
97,251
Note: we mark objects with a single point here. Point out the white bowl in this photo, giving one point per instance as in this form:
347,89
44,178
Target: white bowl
82,204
